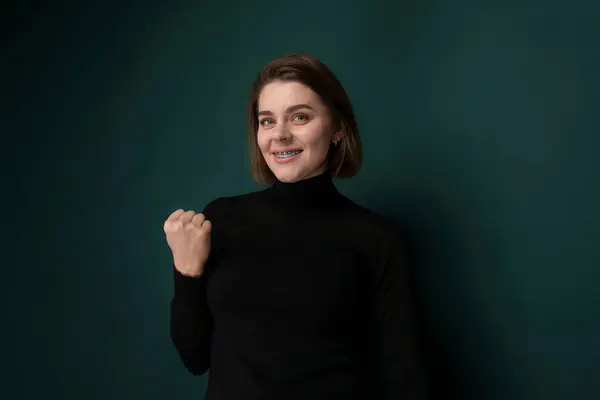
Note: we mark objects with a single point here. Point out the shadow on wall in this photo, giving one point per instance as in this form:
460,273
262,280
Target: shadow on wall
465,297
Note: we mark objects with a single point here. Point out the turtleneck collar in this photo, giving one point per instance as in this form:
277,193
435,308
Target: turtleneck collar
312,192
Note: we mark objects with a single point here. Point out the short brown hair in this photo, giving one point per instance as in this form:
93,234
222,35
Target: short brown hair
344,158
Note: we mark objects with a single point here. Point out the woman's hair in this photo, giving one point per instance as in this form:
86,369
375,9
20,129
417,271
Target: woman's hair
344,159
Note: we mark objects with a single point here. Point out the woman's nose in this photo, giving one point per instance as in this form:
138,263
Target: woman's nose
282,133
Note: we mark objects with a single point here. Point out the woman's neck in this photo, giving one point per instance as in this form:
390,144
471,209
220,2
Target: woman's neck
311,192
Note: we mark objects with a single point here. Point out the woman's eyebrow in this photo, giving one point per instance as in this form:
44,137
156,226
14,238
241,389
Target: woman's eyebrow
288,110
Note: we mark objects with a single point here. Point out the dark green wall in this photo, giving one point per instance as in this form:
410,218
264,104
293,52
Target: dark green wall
479,121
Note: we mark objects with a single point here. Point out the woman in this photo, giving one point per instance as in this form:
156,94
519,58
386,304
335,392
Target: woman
295,292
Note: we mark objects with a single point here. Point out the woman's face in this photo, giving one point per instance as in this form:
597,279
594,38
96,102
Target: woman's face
294,130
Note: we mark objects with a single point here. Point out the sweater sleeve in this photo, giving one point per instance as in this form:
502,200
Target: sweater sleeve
399,362
191,323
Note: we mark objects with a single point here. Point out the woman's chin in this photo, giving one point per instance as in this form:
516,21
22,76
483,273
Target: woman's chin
291,176
288,177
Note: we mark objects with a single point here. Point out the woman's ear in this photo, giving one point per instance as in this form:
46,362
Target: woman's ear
337,137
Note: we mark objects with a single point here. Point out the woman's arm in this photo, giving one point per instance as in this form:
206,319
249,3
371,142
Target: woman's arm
401,371
191,323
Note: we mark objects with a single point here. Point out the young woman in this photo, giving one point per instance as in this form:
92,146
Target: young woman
295,292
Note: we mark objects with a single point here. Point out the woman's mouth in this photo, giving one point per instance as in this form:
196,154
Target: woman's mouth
285,156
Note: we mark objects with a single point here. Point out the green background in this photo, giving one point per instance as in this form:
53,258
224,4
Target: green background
479,122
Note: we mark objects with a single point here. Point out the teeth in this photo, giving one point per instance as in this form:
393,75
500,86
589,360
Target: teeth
286,154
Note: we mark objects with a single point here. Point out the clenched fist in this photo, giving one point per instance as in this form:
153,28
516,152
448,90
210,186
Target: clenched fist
188,236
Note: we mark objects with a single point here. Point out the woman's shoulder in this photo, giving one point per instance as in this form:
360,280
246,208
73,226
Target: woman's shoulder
366,215
233,203
372,223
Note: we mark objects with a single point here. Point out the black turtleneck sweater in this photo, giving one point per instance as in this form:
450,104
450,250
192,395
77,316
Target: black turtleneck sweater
305,296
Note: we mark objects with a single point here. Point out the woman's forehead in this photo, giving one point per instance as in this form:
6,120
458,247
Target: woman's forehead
279,95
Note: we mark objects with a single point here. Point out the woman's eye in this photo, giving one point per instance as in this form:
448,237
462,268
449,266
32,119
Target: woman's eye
265,121
301,117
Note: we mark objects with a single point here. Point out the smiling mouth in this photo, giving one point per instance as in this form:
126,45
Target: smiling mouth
286,154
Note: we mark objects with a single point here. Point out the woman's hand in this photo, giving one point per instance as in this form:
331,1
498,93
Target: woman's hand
188,236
